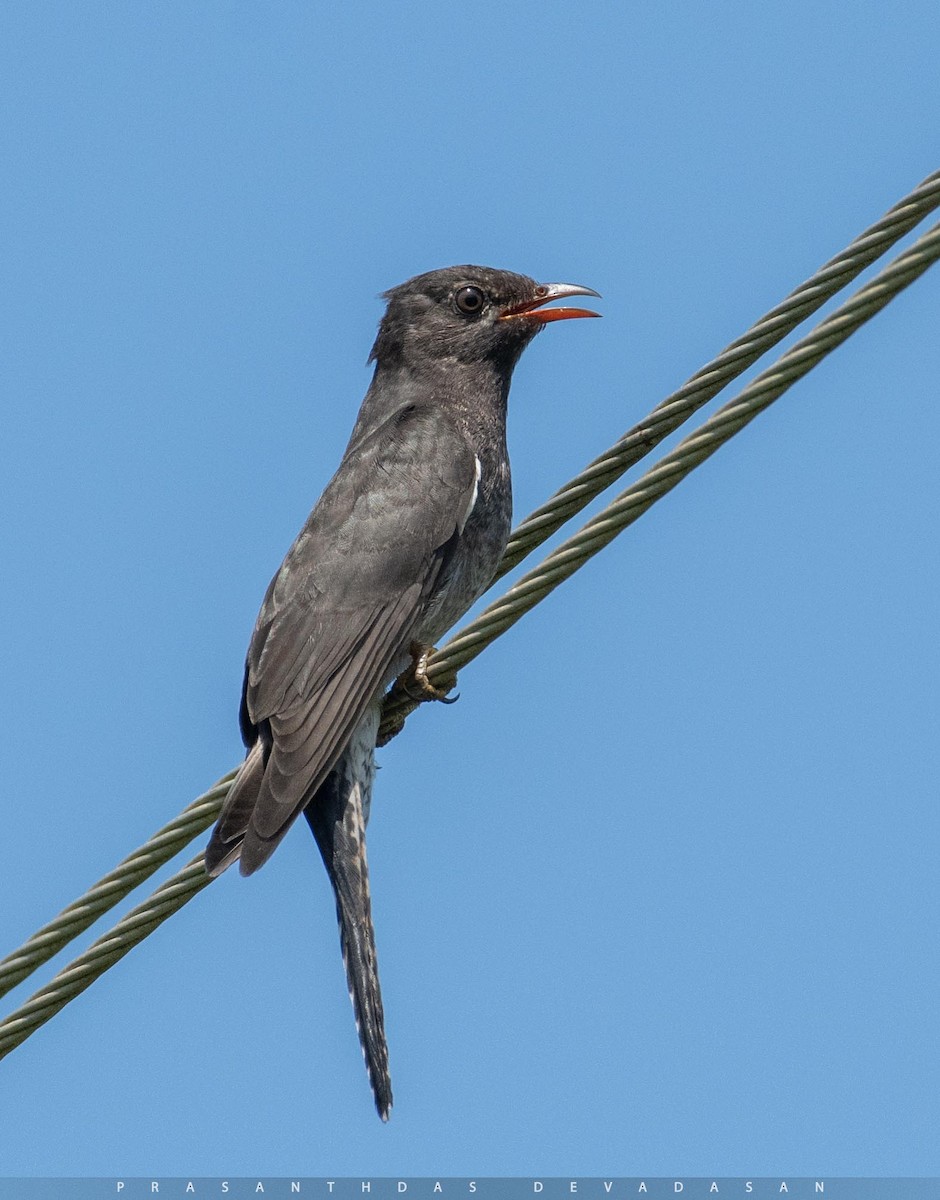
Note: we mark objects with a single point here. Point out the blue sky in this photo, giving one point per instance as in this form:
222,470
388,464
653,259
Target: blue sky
659,895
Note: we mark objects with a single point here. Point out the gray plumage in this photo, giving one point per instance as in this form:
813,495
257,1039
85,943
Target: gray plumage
406,536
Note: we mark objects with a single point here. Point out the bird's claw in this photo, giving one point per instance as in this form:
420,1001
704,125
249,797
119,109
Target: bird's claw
414,681
415,688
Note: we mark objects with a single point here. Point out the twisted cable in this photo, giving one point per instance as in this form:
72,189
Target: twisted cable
529,534
72,980
771,328
114,886
664,475
498,617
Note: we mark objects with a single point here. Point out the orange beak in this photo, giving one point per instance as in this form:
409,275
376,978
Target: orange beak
532,310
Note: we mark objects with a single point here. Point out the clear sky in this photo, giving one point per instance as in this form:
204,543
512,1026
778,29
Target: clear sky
660,893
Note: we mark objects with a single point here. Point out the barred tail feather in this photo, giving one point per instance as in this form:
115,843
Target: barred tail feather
337,818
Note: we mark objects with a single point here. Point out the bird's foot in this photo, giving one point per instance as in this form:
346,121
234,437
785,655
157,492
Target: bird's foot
411,688
414,681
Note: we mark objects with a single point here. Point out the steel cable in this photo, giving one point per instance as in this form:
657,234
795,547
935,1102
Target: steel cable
661,478
114,886
706,383
461,649
530,533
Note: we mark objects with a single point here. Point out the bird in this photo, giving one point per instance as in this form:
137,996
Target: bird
406,536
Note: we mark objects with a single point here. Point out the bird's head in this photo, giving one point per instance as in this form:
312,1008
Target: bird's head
469,314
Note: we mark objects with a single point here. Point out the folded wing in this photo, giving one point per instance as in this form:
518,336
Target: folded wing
339,613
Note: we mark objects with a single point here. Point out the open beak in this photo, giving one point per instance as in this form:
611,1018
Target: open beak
532,310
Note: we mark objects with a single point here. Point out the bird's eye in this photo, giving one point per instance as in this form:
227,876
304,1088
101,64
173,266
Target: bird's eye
469,301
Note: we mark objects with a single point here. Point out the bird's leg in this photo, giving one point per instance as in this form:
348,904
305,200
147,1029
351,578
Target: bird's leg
414,681
414,687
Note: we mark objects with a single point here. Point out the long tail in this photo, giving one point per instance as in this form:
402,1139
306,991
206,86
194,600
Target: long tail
337,815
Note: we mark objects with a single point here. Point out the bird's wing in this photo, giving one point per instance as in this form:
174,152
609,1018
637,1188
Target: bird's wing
343,607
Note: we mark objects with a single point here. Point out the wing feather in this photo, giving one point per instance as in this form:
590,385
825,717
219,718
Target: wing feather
295,772
344,605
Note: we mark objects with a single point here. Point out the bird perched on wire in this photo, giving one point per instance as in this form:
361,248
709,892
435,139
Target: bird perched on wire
407,535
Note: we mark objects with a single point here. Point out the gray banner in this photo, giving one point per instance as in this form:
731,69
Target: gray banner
524,1188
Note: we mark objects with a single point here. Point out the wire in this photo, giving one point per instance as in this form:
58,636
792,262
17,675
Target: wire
465,646
731,362
114,886
534,530
104,953
661,478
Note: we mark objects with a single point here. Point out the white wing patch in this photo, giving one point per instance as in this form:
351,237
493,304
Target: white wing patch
473,496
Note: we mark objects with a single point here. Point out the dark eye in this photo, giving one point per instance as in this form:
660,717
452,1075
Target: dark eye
469,301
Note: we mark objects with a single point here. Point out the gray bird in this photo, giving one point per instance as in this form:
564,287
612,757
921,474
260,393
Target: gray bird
407,535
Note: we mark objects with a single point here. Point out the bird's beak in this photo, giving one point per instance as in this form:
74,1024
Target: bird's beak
532,310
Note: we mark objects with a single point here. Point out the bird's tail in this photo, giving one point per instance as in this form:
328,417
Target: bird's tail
338,820
226,841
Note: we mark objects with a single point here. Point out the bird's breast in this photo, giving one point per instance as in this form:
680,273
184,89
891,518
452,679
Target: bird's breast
478,552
